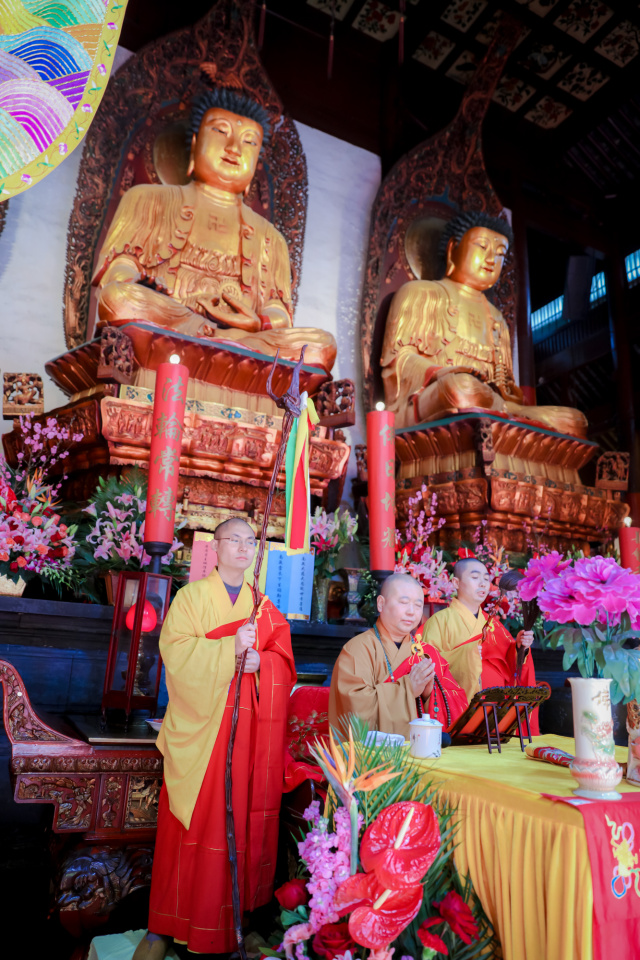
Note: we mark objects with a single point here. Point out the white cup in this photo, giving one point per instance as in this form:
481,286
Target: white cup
425,735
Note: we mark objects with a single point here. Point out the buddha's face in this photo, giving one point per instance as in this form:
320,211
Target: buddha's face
477,260
225,152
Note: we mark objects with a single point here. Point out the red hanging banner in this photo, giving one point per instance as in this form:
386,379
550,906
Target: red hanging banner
164,458
381,468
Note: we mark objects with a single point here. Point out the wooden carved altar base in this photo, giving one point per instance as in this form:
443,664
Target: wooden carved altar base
105,796
520,478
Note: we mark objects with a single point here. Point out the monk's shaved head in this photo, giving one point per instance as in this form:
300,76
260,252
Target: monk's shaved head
462,566
226,528
400,605
397,582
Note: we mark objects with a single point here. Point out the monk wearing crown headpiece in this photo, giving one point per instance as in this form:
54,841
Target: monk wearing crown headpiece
447,347
196,258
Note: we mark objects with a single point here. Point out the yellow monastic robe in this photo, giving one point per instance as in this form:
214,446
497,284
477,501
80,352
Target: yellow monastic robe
358,684
199,672
448,630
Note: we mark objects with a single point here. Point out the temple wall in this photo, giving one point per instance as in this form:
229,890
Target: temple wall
343,181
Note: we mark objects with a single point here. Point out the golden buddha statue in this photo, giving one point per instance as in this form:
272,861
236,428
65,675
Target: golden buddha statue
447,348
195,258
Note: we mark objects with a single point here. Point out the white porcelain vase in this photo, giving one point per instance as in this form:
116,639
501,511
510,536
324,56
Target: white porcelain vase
594,767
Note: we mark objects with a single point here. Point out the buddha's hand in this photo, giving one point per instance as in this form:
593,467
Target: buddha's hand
252,663
525,638
421,677
444,371
245,638
240,316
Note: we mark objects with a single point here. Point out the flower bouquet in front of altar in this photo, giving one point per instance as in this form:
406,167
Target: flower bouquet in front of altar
328,533
594,608
34,542
113,537
376,874
417,557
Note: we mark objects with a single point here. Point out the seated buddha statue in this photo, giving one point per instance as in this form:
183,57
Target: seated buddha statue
447,349
195,258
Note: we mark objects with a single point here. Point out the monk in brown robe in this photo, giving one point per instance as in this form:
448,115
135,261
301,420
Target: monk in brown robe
382,674
480,651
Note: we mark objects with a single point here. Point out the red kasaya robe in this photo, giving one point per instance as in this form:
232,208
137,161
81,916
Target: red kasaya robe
448,700
191,882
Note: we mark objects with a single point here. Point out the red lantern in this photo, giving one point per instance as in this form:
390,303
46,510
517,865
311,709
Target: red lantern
381,451
149,617
164,459
134,665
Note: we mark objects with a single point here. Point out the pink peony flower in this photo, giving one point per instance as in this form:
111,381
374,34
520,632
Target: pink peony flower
539,571
593,589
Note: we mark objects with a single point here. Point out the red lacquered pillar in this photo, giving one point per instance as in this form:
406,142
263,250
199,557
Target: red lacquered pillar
164,459
381,450
630,547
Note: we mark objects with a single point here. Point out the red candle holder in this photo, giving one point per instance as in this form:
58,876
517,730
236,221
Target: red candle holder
134,665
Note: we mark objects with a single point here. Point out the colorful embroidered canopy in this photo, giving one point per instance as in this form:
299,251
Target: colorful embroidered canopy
55,61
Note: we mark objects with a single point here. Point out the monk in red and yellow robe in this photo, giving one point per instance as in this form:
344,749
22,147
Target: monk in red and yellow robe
191,883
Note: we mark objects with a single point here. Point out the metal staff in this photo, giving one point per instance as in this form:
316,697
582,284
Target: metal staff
290,403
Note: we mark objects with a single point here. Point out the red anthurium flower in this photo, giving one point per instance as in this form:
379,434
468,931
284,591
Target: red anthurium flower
431,940
379,914
458,915
464,553
292,894
401,844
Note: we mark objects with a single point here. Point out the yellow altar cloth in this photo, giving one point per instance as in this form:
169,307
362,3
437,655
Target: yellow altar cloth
527,856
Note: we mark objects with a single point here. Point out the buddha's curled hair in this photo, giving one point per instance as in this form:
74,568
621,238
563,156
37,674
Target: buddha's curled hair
234,102
458,226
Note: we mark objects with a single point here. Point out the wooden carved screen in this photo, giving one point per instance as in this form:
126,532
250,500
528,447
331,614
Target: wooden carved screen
140,136
436,180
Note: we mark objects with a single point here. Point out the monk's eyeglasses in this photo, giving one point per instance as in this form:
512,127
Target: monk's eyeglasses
236,541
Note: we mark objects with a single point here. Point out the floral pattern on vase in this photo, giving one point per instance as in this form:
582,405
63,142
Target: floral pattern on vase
595,766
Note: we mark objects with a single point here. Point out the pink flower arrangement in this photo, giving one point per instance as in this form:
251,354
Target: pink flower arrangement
33,539
416,557
587,590
115,541
328,533
596,604
538,572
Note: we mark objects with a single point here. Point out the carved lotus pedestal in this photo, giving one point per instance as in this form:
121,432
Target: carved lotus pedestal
518,476
232,429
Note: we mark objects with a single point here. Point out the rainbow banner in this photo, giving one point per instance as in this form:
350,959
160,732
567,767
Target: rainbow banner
55,63
296,537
